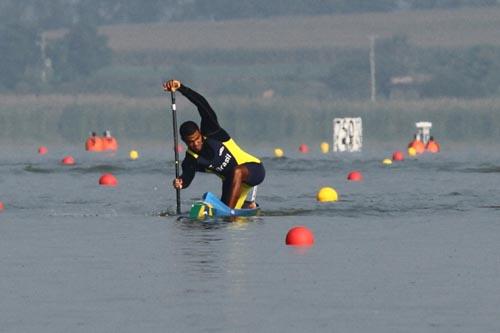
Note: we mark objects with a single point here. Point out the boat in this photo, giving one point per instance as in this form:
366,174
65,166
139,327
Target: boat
103,143
211,206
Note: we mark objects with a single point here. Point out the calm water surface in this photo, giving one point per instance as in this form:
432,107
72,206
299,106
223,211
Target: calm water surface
415,247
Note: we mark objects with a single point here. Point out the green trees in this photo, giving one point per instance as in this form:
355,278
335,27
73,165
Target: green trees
350,76
395,57
464,73
20,49
122,11
468,73
230,9
62,13
430,4
79,53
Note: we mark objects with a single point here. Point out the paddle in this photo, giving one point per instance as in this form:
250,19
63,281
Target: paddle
176,151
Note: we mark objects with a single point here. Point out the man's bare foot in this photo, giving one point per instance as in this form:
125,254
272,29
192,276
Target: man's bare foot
250,205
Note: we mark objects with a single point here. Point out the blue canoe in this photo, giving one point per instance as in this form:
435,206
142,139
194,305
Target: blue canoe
211,206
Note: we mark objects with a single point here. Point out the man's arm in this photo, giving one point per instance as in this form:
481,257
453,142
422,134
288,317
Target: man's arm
189,168
209,123
206,112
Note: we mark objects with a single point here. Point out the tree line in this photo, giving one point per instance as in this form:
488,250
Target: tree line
55,14
471,72
32,64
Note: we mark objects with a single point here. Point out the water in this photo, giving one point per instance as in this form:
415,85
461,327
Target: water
415,247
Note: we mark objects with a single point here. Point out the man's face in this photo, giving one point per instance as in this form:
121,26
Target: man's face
194,141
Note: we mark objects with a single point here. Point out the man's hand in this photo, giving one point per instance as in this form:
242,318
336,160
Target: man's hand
171,85
177,183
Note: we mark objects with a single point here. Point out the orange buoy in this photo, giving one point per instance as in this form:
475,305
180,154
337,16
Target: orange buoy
433,147
68,160
355,176
109,144
42,150
419,146
107,179
2,206
398,156
299,236
303,148
94,143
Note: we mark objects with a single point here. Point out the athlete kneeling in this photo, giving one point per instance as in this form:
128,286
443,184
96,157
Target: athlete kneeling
211,149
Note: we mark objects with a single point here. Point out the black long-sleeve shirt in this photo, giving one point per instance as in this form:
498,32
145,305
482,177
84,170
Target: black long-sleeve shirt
209,127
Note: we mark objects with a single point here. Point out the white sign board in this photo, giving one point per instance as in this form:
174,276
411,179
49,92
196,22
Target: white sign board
347,134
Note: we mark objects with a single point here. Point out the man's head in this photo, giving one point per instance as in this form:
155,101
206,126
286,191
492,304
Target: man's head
191,135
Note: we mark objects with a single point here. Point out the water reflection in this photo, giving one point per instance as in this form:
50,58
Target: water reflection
300,250
214,255
200,248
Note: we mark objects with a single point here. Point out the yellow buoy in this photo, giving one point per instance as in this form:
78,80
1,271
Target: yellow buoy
325,147
387,161
278,152
133,154
412,151
327,194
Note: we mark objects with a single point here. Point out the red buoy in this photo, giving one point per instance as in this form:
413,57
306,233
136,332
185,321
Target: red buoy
2,207
303,148
398,156
68,160
108,179
42,150
299,236
355,176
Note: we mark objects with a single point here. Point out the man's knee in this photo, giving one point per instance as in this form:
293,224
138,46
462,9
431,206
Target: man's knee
240,172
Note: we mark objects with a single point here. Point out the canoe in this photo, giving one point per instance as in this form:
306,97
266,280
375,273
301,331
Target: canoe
212,206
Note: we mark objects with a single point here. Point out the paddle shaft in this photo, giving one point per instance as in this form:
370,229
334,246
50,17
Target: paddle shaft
176,150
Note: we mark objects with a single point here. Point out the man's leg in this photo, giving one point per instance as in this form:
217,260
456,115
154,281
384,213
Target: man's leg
239,176
251,202
251,174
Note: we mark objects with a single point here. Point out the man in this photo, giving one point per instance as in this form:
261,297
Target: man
211,149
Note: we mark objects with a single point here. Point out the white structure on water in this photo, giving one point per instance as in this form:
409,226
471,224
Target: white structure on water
347,134
423,131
